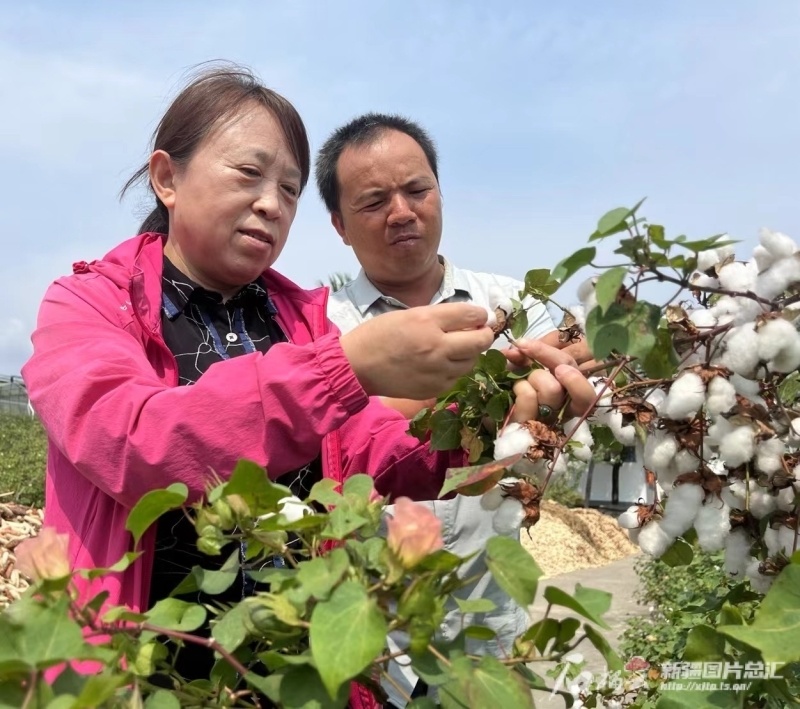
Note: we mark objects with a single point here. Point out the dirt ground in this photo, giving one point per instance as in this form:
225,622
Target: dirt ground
566,539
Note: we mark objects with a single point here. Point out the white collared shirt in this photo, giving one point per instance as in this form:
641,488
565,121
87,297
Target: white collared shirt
465,524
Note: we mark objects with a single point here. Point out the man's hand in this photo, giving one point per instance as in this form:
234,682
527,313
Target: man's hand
560,378
577,349
417,353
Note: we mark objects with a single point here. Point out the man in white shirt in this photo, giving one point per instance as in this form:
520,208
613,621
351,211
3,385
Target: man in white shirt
378,178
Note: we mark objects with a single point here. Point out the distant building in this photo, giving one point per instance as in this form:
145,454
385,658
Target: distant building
14,396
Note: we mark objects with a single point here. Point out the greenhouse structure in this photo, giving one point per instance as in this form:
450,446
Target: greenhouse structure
14,396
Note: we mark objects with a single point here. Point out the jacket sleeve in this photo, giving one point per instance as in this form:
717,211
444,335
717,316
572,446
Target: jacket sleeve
110,414
377,442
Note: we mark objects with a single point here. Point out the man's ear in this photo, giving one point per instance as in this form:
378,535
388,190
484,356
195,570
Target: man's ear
338,224
162,177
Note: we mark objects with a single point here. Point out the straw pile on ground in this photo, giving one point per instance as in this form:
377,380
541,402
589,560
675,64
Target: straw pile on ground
566,539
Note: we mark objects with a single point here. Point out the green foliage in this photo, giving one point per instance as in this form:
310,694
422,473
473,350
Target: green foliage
23,457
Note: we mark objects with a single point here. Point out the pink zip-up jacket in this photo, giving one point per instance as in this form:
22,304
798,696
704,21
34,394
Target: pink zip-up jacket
104,385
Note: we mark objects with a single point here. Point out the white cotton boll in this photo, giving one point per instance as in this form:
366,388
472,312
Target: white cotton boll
769,455
763,258
738,276
666,478
772,541
656,397
587,294
720,396
734,495
685,397
682,507
758,582
788,358
653,540
561,466
513,439
626,435
685,462
630,518
703,317
706,260
659,450
491,499
508,517
491,318
583,435
498,299
737,553
773,336
786,540
739,354
718,430
579,313
761,502
726,309
778,244
713,524
293,509
701,280
785,499
778,277
633,534
748,388
604,402
794,431
738,446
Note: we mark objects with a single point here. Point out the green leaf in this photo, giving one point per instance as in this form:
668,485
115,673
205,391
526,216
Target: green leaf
359,486
348,631
126,560
325,493
490,684
682,696
520,324
446,430
480,632
152,505
230,630
48,636
498,406
475,480
302,688
174,614
613,660
612,222
540,284
789,389
570,265
250,481
679,554
209,581
608,285
588,602
320,575
162,699
703,644
630,332
541,633
513,569
475,605
776,626
656,234
342,522
662,362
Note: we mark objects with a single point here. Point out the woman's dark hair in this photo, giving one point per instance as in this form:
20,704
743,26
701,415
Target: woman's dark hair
212,96
365,130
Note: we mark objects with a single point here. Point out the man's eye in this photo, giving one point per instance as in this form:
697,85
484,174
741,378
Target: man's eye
250,171
292,190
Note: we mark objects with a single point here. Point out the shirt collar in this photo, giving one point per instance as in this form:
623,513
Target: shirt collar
178,290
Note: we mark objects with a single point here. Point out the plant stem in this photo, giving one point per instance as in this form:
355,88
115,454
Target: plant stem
438,655
405,695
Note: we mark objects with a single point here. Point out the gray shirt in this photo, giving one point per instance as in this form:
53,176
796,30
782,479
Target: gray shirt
465,524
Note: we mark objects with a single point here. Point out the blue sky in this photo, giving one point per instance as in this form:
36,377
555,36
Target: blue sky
546,115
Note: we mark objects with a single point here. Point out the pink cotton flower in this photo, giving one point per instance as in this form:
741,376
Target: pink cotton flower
44,556
414,532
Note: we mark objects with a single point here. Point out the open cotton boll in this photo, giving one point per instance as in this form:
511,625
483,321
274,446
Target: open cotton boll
508,517
720,396
685,462
653,540
701,280
682,507
773,336
626,435
739,354
784,500
794,430
656,397
778,277
738,446
777,244
513,439
737,553
702,317
761,502
769,455
710,258
758,582
713,524
579,313
734,495
718,430
685,397
587,294
560,466
499,299
786,540
580,432
659,450
772,541
293,509
630,518
763,258
738,276
599,385
746,387
491,318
